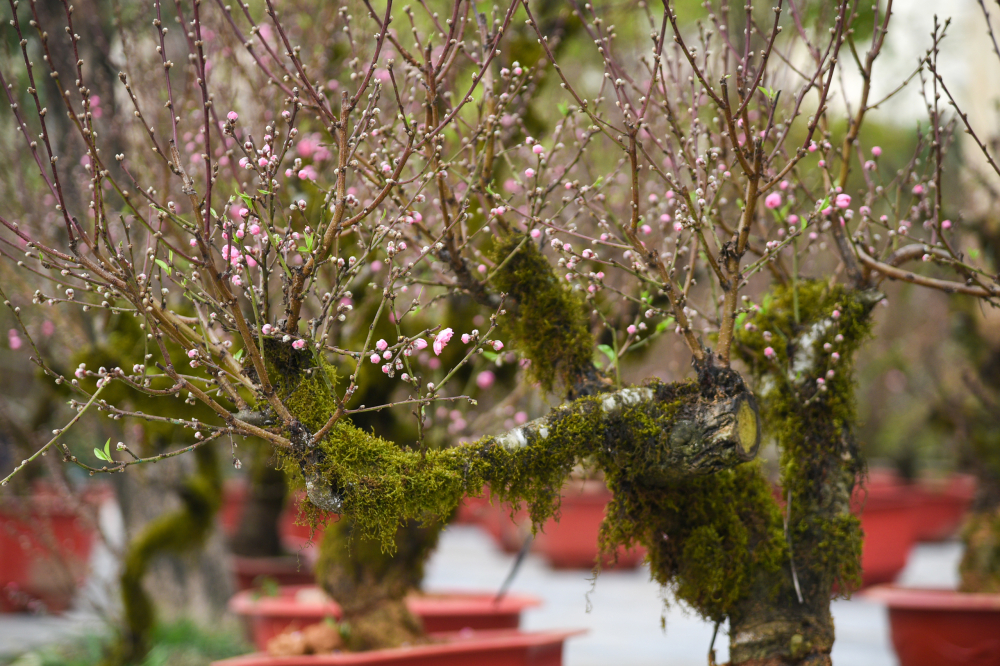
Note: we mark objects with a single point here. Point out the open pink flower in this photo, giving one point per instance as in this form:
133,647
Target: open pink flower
773,200
442,339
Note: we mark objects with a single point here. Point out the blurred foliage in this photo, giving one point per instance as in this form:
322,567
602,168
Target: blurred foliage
181,643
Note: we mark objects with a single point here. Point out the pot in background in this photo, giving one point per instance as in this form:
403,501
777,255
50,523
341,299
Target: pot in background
497,647
45,546
941,627
297,606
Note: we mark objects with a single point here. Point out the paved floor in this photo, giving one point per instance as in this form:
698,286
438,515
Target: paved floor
624,616
625,607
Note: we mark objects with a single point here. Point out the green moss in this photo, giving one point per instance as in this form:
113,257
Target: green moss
807,403
551,327
706,536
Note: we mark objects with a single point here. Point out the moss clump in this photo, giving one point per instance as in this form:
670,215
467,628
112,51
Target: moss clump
706,536
552,324
801,356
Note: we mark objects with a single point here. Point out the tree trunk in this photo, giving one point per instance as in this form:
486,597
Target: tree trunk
257,534
371,585
807,399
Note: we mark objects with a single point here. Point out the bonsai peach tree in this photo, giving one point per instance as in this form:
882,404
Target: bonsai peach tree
295,203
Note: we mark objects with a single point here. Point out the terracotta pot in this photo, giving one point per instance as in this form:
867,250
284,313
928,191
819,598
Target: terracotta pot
502,647
252,572
302,605
889,521
292,526
942,627
571,542
44,549
943,505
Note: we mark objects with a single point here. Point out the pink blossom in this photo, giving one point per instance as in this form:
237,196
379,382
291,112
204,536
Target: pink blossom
299,344
308,173
485,379
535,233
537,149
48,328
646,229
946,224
664,218
497,345
876,151
374,358
521,418
529,173
865,210
835,314
773,200
193,242
678,227
14,340
254,229
843,200
769,352
918,189
233,116
793,219
266,329
783,185
420,343
237,281
466,338
481,268
381,345
631,329
192,353
442,339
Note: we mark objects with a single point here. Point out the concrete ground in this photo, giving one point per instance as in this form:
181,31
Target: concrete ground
625,608
622,611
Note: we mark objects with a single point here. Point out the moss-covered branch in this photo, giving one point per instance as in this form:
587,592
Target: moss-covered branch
656,435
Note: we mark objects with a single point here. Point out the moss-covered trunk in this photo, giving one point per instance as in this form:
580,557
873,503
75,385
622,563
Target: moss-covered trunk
178,532
800,347
371,584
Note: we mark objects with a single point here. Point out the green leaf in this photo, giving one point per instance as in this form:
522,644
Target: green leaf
246,199
973,252
492,356
212,211
665,324
740,318
608,351
104,455
239,354
563,108
162,264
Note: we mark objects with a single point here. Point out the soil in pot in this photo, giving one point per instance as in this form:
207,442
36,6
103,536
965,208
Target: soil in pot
296,607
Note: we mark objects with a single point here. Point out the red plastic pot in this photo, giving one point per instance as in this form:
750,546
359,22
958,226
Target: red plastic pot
252,572
888,512
942,627
292,526
571,542
44,550
943,504
503,647
302,605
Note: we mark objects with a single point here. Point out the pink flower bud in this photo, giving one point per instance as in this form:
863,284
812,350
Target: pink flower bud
497,345
529,173
266,329
769,352
233,116
299,344
773,200
876,151
375,358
